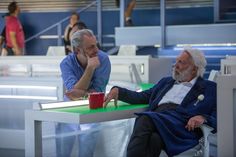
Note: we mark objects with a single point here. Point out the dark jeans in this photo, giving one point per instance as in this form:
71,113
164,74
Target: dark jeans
145,140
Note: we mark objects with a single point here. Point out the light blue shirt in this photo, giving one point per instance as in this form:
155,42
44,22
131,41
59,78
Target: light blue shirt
72,71
178,92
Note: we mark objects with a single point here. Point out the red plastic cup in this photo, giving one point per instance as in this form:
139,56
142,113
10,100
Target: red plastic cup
96,100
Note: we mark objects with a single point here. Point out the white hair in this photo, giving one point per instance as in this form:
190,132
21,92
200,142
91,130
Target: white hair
77,38
198,58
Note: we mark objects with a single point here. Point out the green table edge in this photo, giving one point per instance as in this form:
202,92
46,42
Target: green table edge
110,108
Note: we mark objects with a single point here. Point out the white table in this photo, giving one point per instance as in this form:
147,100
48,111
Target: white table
34,119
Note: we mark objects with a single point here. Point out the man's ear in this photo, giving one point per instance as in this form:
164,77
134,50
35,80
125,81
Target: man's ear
77,50
195,69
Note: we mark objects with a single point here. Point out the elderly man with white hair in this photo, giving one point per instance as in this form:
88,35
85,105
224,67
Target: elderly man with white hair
178,105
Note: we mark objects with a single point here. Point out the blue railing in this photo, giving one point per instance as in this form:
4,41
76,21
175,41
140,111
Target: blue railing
58,25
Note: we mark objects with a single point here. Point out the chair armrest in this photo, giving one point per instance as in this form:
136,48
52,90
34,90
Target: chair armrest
206,130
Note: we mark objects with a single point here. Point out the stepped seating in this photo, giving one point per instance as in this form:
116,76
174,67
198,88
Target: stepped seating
45,5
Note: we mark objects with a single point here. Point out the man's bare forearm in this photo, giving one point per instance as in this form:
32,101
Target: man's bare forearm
85,80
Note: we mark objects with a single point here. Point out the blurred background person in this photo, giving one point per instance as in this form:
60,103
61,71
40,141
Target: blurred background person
2,41
15,38
129,6
74,25
3,50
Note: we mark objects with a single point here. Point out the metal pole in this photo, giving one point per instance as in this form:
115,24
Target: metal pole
163,24
59,32
122,13
216,11
99,21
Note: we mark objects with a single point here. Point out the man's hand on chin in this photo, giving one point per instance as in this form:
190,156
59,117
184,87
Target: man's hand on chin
93,62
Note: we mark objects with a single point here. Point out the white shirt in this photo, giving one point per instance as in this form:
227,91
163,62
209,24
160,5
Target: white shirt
177,93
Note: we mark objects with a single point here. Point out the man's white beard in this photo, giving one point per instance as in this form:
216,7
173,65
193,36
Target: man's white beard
182,76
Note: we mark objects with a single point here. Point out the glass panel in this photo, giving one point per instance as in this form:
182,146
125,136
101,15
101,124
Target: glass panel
45,70
15,70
